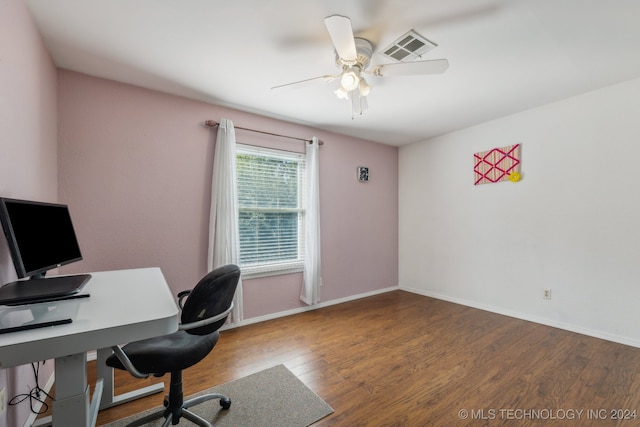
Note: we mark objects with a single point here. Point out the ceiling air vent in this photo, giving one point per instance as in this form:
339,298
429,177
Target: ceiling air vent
410,47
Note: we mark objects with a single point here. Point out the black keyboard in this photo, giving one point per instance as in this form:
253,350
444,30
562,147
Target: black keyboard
35,326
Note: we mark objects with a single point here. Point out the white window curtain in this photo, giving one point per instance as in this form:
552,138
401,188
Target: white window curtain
224,240
311,285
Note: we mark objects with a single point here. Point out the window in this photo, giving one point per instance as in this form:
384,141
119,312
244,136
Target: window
270,209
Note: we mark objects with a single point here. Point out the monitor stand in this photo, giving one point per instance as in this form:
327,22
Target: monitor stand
42,289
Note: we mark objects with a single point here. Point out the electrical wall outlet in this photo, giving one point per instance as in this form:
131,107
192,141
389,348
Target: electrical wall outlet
547,294
3,401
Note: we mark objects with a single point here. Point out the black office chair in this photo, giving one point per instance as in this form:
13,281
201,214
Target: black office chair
205,310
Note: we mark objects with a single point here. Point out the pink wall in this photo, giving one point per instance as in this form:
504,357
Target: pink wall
28,164
135,167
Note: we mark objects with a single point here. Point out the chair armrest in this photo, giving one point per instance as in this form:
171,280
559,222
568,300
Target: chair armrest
181,296
204,322
128,365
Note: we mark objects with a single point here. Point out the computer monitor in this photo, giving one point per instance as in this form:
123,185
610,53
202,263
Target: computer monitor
40,236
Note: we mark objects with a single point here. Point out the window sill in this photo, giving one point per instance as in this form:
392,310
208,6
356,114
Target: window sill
254,273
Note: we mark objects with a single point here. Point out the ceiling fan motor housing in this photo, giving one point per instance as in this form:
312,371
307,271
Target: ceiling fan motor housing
364,50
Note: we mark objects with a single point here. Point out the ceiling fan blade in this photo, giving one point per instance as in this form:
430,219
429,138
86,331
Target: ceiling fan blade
307,82
341,33
435,66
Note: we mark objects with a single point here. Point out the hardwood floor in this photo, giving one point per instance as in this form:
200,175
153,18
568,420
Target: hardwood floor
400,359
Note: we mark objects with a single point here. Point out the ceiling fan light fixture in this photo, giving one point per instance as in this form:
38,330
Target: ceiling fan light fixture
350,79
364,87
341,93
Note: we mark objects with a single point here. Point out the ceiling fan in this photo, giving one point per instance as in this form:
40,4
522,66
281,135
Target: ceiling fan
353,55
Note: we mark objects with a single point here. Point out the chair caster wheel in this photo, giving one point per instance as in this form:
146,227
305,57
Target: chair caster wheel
225,402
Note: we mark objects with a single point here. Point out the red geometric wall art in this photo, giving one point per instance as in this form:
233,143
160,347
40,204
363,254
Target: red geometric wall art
497,164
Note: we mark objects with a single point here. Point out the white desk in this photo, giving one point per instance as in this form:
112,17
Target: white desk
124,306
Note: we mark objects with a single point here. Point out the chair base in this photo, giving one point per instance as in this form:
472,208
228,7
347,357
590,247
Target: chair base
225,402
175,407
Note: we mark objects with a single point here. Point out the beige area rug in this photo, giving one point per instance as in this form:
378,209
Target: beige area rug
269,398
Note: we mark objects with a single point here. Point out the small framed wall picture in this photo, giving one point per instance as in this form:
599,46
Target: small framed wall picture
363,174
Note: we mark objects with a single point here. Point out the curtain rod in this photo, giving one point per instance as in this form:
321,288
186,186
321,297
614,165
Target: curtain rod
213,123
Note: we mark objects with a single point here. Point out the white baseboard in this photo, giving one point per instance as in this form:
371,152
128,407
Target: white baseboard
285,313
524,316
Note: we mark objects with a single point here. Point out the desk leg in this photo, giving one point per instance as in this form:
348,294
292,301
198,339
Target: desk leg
105,372
71,403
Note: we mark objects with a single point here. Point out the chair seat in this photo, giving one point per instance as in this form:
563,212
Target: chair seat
168,353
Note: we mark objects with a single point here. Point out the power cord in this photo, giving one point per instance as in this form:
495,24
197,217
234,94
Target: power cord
34,395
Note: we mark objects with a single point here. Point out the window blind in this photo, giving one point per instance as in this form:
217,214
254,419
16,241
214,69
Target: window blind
270,206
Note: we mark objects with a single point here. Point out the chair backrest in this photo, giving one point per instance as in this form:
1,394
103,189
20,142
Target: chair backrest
211,296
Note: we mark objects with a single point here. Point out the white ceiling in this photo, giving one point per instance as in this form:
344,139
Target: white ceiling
505,56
